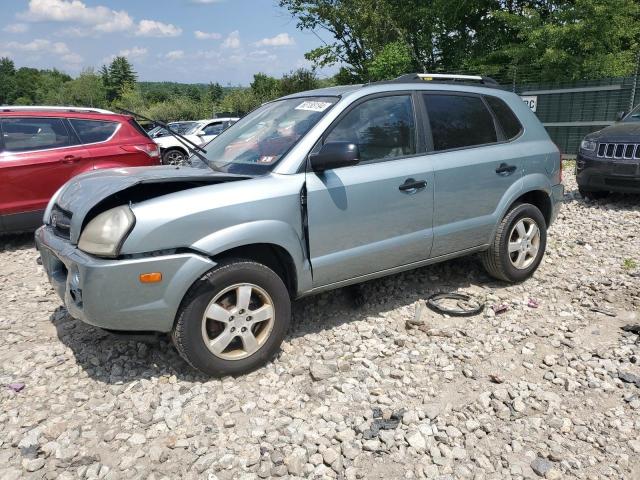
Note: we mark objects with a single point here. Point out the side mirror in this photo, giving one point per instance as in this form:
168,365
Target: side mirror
620,115
335,155
201,134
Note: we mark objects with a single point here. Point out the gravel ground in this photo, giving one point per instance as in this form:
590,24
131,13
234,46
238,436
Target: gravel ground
356,392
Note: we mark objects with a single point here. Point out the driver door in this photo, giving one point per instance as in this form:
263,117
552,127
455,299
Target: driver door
361,219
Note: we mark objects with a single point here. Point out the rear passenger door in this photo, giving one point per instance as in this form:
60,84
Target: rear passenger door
39,155
473,169
97,135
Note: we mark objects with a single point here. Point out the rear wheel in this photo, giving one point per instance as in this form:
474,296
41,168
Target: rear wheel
174,156
233,319
519,244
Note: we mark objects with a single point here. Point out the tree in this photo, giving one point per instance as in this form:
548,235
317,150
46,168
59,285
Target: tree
7,80
547,38
215,92
298,81
118,77
264,87
86,90
239,101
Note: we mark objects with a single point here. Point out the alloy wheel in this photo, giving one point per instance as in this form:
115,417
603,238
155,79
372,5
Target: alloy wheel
238,321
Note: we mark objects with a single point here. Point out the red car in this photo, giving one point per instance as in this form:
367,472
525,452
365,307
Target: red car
43,147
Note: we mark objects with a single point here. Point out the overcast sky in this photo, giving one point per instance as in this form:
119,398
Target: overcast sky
179,40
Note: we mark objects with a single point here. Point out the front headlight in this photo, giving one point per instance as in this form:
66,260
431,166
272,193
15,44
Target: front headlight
104,234
588,145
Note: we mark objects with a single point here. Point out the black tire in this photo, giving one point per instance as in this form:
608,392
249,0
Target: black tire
593,194
174,156
497,259
188,335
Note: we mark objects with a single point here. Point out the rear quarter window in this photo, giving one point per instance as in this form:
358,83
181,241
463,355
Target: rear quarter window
93,131
459,121
511,126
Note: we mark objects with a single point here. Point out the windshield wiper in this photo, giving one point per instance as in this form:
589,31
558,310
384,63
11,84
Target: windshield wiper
189,145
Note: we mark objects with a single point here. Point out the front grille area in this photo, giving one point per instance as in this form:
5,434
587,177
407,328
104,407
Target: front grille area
60,220
626,151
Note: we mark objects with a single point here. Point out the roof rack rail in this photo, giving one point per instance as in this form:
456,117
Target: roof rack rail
35,108
446,77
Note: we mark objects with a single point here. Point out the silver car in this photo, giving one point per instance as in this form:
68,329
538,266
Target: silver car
307,193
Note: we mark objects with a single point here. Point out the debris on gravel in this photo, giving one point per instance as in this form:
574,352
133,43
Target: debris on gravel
386,390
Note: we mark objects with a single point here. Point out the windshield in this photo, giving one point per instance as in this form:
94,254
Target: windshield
634,116
256,143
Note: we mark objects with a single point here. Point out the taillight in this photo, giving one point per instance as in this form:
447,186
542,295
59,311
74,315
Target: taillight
150,149
561,160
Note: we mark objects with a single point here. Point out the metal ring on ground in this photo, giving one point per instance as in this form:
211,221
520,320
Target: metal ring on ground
431,303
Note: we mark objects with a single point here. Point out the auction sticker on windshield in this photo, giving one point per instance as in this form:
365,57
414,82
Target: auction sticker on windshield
313,106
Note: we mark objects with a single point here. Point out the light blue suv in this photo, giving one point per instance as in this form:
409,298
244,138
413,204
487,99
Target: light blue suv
307,193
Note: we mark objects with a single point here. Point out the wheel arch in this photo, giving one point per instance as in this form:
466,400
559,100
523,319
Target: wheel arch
273,243
273,256
538,198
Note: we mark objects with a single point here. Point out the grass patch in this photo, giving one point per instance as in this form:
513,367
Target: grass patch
629,264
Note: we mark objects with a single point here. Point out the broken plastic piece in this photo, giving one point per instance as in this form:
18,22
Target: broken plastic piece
16,387
501,308
533,303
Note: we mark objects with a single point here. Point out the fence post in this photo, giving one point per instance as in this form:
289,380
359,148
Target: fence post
634,85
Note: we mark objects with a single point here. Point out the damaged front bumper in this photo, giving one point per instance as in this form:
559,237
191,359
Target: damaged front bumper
108,293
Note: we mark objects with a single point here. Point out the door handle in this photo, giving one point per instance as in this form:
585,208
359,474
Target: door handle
411,185
504,169
70,159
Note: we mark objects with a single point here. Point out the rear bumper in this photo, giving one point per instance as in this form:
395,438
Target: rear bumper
608,175
557,197
108,294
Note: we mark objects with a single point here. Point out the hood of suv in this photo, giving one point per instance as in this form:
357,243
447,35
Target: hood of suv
94,192
621,132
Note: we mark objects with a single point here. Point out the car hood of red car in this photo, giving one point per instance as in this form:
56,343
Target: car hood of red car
86,193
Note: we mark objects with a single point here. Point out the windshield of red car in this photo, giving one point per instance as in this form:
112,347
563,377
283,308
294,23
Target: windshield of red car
257,142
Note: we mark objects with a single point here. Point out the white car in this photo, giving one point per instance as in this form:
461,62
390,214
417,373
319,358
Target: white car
173,150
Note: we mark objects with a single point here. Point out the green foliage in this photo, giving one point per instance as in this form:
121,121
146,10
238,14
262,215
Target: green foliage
393,60
239,101
298,81
7,80
264,87
88,89
629,264
545,40
118,77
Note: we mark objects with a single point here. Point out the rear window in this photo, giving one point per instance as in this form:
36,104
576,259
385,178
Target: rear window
32,134
93,131
459,121
510,124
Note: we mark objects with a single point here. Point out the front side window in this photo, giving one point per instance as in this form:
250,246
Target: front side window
257,142
383,128
459,121
93,131
29,134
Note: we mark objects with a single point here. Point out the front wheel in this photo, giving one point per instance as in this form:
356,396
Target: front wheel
233,319
519,245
